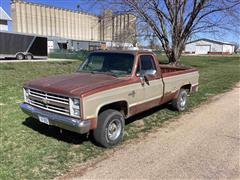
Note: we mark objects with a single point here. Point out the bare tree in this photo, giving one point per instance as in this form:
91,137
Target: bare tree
174,21
153,42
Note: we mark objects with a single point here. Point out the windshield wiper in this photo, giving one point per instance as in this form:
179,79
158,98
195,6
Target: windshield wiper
112,74
108,73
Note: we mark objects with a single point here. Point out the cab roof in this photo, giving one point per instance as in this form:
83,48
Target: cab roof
133,52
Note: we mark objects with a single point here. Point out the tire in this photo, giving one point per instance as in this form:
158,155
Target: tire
110,128
20,56
180,103
28,57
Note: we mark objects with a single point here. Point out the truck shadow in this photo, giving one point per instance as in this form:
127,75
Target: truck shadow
75,138
148,113
55,132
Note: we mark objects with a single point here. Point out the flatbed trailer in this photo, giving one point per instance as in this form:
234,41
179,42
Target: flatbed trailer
22,46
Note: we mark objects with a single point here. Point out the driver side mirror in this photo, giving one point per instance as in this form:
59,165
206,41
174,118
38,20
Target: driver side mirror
148,73
145,74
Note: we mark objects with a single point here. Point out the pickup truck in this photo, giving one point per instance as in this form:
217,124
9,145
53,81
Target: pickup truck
108,88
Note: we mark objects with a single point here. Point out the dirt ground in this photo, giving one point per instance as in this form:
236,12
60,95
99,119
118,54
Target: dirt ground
204,143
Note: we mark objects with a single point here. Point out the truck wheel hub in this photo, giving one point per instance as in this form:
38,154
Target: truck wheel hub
183,100
114,129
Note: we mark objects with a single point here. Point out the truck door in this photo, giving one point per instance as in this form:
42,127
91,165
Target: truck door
152,85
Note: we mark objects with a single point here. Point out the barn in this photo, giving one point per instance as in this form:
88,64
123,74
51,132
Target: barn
209,46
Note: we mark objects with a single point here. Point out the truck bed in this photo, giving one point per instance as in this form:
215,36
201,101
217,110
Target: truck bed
168,70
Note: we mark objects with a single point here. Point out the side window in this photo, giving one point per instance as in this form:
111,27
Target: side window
146,62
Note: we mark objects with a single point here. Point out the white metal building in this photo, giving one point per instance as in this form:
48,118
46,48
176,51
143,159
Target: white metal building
209,46
4,18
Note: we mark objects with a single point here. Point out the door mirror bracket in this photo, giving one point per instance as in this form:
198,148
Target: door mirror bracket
142,79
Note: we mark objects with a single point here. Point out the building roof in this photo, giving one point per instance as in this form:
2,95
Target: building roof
211,40
4,15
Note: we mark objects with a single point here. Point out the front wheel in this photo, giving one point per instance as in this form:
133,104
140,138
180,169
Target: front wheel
110,128
180,103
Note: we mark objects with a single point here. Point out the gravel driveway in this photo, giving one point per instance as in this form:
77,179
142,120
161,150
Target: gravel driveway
204,143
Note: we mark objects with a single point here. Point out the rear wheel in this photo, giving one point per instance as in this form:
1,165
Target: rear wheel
110,128
180,103
20,56
29,57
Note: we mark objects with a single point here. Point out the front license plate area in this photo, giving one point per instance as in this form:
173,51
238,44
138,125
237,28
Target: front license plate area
43,120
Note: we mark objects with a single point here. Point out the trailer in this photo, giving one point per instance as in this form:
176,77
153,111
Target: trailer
22,46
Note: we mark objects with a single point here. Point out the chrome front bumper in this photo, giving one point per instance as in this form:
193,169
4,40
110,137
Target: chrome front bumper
72,124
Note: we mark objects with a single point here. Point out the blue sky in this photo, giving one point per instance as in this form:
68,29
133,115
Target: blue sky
68,4
71,4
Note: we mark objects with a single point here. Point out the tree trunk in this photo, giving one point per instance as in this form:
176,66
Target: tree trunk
173,55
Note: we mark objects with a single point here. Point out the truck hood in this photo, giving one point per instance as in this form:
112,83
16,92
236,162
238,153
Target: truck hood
74,84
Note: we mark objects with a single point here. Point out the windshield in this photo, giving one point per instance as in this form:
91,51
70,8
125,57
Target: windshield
115,63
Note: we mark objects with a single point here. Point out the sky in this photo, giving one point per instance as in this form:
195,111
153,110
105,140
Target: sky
84,5
68,4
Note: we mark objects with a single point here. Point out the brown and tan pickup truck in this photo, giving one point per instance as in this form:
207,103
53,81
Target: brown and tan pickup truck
108,87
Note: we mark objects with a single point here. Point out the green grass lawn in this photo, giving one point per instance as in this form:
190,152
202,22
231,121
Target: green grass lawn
30,150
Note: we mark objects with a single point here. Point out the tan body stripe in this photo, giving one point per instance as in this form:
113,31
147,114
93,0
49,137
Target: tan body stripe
144,94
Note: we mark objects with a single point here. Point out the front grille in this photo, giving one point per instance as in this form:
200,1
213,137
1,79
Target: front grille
49,101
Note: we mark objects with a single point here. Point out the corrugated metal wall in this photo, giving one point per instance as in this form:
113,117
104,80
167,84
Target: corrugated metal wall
200,47
50,21
120,28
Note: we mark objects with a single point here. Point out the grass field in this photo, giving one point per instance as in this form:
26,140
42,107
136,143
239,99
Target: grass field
30,150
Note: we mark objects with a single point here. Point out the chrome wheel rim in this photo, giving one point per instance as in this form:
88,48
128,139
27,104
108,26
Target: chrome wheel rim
183,100
114,129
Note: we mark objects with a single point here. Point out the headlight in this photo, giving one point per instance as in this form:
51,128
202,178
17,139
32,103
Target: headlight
74,105
26,95
76,112
76,102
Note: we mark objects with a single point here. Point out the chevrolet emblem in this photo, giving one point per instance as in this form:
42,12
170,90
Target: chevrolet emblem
45,101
